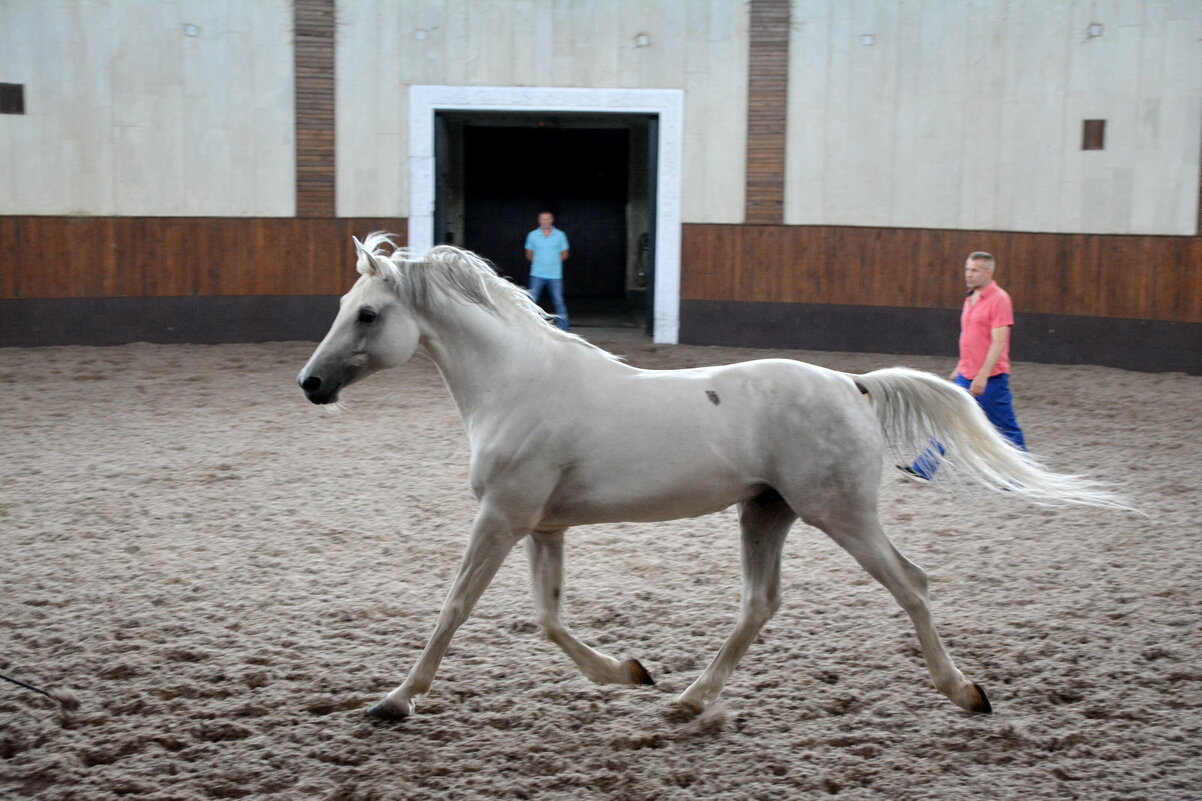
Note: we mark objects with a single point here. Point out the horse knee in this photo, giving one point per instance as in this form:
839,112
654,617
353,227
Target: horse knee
761,608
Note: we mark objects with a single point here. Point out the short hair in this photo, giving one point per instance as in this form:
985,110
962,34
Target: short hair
546,211
980,255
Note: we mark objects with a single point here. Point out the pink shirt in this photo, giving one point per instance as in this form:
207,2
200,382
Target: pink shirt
992,310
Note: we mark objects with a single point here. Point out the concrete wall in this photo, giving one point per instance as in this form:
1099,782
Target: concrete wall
383,48
968,114
128,115
962,114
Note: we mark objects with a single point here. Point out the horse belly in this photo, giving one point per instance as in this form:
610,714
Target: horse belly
637,497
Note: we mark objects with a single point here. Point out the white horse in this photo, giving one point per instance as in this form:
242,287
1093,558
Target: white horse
564,434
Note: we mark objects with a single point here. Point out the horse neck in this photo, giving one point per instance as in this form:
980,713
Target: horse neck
486,360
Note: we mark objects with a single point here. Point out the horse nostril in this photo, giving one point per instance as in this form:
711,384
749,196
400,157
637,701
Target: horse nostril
311,384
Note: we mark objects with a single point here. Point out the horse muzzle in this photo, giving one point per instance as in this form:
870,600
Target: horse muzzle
317,390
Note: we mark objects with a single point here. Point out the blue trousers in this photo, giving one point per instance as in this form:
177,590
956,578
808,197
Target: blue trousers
997,403
555,287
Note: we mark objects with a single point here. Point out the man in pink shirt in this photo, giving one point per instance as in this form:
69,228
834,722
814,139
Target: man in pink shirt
984,366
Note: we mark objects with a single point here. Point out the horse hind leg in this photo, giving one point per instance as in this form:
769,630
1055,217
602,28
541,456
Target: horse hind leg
764,523
862,536
545,552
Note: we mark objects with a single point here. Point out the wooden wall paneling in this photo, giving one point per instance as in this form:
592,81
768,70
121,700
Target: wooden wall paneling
1180,291
251,268
83,259
879,268
272,276
1138,277
1127,279
733,249
193,264
745,266
1019,261
41,265
48,265
1160,268
795,252
703,266
315,255
1073,289
200,258
61,257
1109,292
833,264
778,258
277,275
11,256
698,262
61,265
1179,282
1113,276
1190,291
925,261
773,249
1068,273
839,267
302,255
163,251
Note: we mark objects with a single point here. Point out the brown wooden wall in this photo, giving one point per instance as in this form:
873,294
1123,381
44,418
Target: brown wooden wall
107,257
1142,277
767,104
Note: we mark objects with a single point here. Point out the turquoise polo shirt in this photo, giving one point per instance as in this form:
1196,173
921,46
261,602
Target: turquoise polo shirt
547,263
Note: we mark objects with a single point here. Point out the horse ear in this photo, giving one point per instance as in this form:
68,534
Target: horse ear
365,262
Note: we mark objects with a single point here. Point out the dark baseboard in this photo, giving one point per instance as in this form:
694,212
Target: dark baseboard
200,320
1146,345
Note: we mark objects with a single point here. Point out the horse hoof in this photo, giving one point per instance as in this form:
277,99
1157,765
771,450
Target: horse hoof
683,711
979,702
637,673
388,710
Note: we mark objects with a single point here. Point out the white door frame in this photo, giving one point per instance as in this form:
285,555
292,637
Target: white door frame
668,104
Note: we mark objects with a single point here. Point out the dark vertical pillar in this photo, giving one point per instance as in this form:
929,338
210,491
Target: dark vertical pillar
767,102
313,44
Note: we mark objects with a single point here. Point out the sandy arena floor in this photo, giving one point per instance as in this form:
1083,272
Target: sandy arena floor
227,576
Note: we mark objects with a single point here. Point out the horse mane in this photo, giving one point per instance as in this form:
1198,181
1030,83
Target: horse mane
422,279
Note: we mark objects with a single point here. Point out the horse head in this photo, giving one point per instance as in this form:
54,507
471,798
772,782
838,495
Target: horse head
374,329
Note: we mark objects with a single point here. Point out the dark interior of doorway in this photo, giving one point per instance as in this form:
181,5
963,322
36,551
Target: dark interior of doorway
581,175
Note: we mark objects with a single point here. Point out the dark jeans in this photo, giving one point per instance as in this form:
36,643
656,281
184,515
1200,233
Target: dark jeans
555,286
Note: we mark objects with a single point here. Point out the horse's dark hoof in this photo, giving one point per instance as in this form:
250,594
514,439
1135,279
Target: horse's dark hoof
638,674
388,710
980,703
683,711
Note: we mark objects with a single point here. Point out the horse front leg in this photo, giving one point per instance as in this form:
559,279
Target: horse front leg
545,552
492,538
764,527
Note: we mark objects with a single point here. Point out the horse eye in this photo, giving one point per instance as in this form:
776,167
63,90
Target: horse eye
366,315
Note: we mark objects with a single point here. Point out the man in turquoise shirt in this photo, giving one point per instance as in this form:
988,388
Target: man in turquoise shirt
546,250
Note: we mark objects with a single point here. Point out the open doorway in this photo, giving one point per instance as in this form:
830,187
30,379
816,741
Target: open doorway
495,171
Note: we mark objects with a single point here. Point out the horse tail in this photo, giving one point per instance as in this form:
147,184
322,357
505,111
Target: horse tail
916,410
